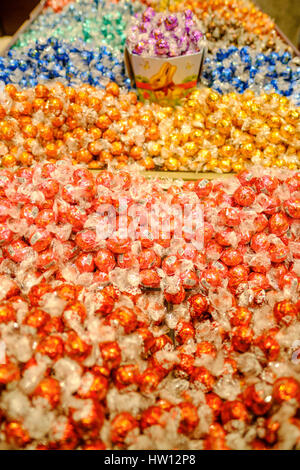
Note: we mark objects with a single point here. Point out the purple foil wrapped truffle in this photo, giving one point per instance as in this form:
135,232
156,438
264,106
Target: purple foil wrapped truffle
165,34
171,22
161,47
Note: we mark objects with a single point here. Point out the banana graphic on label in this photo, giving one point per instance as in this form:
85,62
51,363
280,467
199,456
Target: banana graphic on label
164,77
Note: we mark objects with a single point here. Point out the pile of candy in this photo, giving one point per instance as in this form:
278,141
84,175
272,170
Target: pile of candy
96,22
242,69
97,127
164,35
223,32
222,133
88,125
145,342
234,22
71,64
226,70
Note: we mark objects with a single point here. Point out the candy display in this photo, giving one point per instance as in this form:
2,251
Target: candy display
118,331
164,35
72,64
100,127
143,312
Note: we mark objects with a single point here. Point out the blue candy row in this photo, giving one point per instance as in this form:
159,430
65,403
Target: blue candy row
70,63
236,69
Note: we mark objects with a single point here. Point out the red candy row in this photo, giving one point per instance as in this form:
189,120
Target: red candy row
131,308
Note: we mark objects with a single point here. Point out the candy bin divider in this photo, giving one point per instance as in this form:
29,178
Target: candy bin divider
286,39
171,332
185,175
